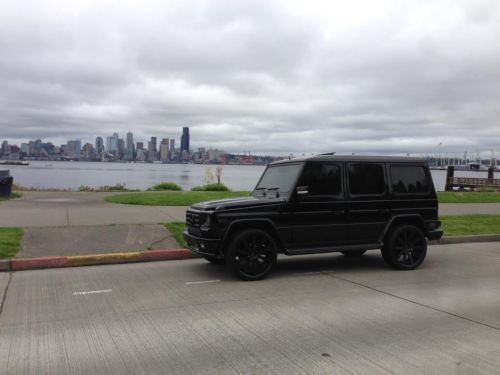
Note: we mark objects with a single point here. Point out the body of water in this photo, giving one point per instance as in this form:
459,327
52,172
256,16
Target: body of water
71,175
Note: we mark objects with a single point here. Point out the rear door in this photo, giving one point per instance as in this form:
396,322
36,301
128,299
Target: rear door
368,209
319,217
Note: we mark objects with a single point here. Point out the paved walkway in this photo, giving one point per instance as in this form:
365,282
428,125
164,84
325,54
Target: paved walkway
51,209
74,223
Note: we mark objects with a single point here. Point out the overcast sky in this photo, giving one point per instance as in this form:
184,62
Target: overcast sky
272,77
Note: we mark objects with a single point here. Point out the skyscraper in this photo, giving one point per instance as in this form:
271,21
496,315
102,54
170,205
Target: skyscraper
129,147
99,145
172,149
185,139
164,151
112,143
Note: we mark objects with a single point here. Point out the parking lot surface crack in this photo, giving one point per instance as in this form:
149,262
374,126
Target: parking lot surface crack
413,302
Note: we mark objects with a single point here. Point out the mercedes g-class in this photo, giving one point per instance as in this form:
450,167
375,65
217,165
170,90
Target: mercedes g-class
320,204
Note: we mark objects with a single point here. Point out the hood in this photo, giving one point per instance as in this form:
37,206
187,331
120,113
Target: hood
242,202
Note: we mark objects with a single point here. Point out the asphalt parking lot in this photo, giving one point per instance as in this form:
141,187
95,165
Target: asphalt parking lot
316,314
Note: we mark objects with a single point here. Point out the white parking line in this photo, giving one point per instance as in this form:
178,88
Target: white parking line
202,282
92,292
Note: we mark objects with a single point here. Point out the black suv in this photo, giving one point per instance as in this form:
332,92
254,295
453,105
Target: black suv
321,204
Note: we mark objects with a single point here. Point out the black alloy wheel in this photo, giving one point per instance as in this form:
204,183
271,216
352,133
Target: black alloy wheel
353,253
405,248
216,260
251,254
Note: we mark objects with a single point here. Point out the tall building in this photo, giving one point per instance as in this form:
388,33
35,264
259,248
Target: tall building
129,146
112,143
140,146
152,145
164,150
74,148
172,149
185,139
99,145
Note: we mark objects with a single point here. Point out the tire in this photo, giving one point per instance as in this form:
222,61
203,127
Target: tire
215,260
405,247
252,254
354,253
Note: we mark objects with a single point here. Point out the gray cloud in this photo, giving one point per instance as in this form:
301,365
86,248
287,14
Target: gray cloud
268,76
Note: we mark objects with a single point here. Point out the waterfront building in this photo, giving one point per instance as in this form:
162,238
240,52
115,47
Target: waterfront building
73,148
152,145
121,148
112,143
129,147
25,148
185,140
172,149
99,145
5,148
140,146
164,150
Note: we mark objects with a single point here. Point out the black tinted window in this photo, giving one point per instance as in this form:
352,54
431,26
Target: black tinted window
366,179
321,179
409,180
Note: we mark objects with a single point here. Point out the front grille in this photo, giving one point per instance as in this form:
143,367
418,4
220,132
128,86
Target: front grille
192,219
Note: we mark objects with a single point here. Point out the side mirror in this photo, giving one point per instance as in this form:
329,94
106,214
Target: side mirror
302,190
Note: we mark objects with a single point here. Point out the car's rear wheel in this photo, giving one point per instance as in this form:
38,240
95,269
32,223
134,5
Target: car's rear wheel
353,253
251,254
405,247
215,260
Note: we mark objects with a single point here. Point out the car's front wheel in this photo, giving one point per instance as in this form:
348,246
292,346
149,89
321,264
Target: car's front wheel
405,248
252,254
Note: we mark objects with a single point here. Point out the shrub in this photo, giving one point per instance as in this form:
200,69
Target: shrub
166,186
84,188
211,187
105,188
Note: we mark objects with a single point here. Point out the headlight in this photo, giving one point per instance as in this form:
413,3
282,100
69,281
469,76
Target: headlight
206,223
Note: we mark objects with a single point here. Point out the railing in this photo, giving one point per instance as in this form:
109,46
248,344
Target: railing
472,182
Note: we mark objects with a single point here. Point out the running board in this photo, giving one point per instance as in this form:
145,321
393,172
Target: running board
333,249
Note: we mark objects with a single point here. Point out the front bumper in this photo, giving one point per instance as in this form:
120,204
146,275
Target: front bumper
202,246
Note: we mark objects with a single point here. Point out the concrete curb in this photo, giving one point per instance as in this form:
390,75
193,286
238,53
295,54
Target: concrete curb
158,255
466,239
89,260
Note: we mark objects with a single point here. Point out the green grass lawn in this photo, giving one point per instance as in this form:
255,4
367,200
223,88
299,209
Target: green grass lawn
173,198
10,242
470,224
187,198
468,197
176,228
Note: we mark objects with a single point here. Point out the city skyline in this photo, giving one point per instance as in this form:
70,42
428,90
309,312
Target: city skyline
274,77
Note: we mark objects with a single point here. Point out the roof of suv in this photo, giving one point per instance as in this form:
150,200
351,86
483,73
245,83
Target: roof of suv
353,158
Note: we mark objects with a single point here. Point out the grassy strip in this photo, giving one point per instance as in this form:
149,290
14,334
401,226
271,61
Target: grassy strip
468,197
173,198
470,225
13,195
176,229
10,242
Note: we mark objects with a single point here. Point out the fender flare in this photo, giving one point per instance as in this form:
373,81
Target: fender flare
403,216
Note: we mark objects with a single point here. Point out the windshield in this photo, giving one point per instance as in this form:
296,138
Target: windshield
279,178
